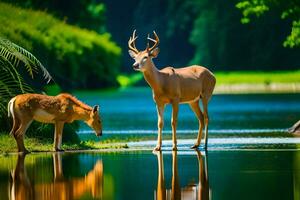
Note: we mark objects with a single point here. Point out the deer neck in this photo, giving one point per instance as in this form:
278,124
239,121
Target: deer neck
152,76
81,113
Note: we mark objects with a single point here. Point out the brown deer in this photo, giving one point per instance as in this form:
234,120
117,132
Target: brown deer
58,110
174,86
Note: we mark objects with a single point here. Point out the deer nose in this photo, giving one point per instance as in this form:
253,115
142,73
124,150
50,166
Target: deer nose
135,65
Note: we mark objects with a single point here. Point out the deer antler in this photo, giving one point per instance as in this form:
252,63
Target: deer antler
131,42
156,42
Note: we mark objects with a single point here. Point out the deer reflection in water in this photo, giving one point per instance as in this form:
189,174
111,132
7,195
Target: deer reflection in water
23,188
190,192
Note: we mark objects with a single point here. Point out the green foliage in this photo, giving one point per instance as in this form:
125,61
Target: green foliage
129,80
12,58
221,42
293,40
288,9
75,57
256,7
88,14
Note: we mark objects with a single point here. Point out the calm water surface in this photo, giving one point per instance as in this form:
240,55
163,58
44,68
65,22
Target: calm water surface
134,110
144,175
226,171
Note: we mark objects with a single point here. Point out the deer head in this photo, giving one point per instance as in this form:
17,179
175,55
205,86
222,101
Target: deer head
143,58
94,121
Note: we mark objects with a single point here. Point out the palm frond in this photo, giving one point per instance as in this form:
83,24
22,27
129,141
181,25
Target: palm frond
12,83
16,54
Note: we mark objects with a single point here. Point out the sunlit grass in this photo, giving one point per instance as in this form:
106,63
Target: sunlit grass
233,77
9,145
258,77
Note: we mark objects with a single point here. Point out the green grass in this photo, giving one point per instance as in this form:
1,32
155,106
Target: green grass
234,77
258,77
9,145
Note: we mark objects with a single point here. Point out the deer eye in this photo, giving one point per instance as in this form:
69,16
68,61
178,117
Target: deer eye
144,59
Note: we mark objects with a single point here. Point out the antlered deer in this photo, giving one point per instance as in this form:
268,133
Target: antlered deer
58,110
174,86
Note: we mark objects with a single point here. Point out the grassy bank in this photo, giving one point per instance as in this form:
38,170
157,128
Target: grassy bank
9,145
258,77
241,81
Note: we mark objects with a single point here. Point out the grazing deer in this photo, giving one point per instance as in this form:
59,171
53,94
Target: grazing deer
23,188
174,86
57,110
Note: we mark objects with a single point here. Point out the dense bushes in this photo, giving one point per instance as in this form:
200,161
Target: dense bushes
75,57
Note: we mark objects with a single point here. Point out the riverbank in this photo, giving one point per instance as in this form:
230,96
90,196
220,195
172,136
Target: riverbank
241,82
9,145
127,141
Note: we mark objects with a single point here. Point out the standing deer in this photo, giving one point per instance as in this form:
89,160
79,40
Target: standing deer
58,110
174,86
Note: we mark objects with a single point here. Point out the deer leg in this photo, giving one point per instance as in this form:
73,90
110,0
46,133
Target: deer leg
58,136
19,135
174,125
16,124
196,109
206,119
160,125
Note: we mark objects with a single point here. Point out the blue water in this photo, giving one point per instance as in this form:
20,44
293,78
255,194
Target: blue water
133,110
247,162
137,175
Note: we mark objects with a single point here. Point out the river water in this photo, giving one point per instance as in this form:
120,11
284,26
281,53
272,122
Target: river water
250,154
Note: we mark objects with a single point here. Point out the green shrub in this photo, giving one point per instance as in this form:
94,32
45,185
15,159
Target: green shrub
75,57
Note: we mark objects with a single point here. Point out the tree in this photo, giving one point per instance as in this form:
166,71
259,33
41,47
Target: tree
223,43
289,10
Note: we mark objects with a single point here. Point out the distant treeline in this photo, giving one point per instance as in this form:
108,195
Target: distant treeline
206,32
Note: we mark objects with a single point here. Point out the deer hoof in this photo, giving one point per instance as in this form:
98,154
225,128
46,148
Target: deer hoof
157,148
195,146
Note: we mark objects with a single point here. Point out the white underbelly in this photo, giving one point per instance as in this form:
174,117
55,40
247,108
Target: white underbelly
190,100
43,116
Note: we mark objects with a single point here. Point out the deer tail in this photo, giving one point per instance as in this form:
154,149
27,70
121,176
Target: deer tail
11,110
10,107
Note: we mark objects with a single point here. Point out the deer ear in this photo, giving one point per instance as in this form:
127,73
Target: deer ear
154,52
95,109
132,54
